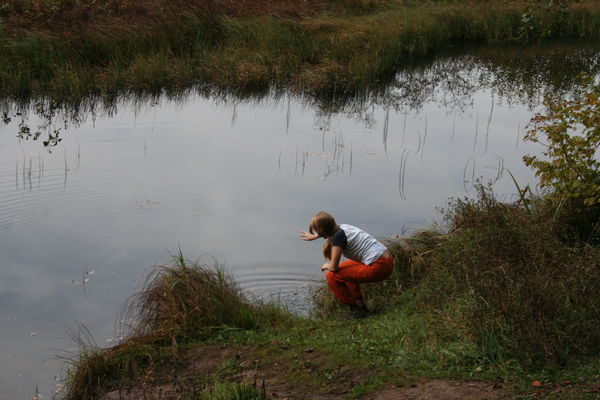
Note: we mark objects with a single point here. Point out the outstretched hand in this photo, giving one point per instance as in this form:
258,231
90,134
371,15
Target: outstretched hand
308,236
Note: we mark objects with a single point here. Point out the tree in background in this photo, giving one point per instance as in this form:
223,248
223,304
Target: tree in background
544,18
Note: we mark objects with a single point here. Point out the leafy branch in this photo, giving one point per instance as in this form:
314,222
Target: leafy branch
571,132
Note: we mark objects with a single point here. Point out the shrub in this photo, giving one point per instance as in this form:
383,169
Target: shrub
534,295
571,133
569,167
544,18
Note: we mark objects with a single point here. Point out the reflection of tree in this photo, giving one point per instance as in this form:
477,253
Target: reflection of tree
515,74
448,81
524,75
544,71
48,113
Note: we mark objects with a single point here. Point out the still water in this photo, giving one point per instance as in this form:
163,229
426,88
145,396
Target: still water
232,181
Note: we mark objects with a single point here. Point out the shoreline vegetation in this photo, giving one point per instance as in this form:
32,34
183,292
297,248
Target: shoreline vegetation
69,49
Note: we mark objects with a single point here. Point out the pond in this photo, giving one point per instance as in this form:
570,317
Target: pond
231,180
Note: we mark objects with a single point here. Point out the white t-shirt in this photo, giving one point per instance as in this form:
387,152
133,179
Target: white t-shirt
359,245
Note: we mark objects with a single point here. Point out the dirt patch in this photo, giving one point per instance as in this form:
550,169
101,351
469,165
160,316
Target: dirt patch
443,390
162,392
206,359
309,375
198,361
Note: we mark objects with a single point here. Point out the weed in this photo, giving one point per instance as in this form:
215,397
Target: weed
228,369
178,258
468,310
177,305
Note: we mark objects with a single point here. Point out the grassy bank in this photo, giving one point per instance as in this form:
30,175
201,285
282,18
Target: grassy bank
507,293
323,48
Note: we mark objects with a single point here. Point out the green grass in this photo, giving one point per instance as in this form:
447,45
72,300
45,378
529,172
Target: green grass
326,53
400,340
231,391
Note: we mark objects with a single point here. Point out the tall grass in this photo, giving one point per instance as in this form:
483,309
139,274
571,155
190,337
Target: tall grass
337,50
182,302
535,287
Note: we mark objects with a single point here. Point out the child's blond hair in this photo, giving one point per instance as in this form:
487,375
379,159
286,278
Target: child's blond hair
323,224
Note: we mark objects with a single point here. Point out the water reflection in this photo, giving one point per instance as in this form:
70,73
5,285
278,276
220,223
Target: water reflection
516,75
236,178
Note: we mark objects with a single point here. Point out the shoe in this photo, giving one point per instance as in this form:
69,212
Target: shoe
358,311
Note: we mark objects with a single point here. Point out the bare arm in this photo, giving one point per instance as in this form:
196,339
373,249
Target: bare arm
333,264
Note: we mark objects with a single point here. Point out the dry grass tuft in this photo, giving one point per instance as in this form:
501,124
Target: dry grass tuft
187,302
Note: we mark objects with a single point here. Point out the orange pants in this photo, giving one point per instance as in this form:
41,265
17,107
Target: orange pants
344,283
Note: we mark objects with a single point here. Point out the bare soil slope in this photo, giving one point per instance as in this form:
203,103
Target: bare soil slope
278,383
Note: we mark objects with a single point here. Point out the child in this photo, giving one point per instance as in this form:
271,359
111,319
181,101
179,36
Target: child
368,261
